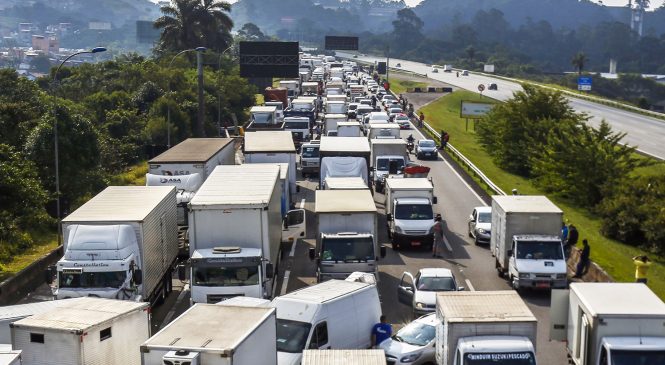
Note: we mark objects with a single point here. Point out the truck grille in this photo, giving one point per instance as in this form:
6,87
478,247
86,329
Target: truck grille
544,276
216,298
414,232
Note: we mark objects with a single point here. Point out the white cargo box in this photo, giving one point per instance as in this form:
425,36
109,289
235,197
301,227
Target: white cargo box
344,357
272,147
10,357
13,313
345,183
194,155
86,331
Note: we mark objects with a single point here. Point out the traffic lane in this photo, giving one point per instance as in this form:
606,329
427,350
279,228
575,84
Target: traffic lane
475,262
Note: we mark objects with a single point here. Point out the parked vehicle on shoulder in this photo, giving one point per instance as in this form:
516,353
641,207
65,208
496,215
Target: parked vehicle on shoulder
419,291
414,343
435,70
398,65
426,148
480,224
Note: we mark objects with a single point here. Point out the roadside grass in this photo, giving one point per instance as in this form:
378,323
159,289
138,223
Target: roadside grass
399,86
613,256
47,241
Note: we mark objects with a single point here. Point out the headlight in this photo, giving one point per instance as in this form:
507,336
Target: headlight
398,229
481,231
411,358
420,305
524,276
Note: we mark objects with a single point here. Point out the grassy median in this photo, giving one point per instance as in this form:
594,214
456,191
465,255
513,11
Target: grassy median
399,85
611,255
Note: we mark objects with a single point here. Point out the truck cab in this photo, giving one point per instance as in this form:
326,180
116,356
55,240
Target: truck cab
299,128
537,261
280,108
309,157
409,212
302,107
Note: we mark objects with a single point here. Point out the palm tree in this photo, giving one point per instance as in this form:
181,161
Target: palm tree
194,23
578,61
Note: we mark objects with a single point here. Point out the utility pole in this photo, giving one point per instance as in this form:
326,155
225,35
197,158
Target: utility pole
388,64
200,131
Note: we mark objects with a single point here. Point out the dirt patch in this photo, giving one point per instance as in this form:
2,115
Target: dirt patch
420,99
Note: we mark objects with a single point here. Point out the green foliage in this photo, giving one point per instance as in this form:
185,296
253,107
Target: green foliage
21,105
514,132
41,63
584,164
579,61
251,32
635,213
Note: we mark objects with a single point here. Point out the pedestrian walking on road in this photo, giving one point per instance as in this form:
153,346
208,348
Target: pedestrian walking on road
437,246
642,264
583,264
381,331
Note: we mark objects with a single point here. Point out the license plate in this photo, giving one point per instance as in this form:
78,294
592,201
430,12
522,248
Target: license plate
543,285
415,243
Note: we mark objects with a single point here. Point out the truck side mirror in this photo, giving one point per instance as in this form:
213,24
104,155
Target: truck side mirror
435,200
49,274
382,251
312,253
270,270
181,273
137,276
510,253
389,217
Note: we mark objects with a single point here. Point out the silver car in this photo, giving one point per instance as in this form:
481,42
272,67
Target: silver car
413,344
426,148
480,224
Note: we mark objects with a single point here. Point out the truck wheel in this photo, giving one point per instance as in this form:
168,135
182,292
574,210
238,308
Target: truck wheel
168,285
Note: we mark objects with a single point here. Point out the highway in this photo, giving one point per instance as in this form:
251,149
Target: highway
645,132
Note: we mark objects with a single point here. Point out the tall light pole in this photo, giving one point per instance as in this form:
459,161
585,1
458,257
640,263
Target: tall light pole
219,94
55,134
200,131
168,106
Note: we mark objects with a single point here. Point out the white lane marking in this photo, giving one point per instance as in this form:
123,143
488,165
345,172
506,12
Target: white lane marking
469,285
293,248
448,246
285,282
171,313
302,203
453,170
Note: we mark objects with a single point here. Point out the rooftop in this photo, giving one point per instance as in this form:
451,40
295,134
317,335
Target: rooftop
193,150
269,141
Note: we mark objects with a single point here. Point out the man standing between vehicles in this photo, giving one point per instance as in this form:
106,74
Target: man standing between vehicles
381,331
642,264
583,264
573,236
437,246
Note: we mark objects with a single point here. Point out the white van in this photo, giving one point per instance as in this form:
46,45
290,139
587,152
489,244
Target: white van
335,314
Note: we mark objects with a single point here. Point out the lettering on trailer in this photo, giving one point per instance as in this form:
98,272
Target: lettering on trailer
175,172
91,264
169,180
498,357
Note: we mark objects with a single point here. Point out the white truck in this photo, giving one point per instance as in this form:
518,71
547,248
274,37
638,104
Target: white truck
345,183
263,118
336,314
330,121
121,244
12,313
292,87
388,157
357,147
299,128
383,130
10,357
336,107
526,241
272,147
346,357
187,165
347,238
349,129
484,327
208,334
609,324
409,212
235,233
88,331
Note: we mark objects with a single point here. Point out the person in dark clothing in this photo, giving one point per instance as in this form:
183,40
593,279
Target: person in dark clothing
573,236
444,140
583,264
381,331
441,139
374,101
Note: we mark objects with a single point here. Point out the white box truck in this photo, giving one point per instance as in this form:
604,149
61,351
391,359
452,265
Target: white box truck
347,234
357,147
235,233
345,183
187,165
526,241
12,313
88,331
10,357
208,334
383,131
344,357
349,129
388,157
331,121
609,324
409,212
336,314
271,147
484,327
121,244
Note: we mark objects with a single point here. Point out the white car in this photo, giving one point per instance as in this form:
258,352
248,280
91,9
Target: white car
403,121
480,224
413,344
465,73
387,98
393,112
419,292
426,148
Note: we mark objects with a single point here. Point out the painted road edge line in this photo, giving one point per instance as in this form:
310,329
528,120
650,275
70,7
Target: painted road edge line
469,285
448,246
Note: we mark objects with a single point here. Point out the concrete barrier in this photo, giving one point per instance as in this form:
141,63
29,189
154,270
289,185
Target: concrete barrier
594,274
28,279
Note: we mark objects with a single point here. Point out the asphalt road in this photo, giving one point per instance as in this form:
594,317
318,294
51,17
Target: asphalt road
644,132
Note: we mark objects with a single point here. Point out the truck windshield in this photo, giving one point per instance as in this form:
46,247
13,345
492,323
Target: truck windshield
308,152
504,358
296,125
433,283
539,250
484,217
108,279
347,249
226,276
636,357
262,118
291,335
301,107
416,334
413,212
383,164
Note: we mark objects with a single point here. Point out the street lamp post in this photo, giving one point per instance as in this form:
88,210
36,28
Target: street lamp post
168,107
219,94
55,134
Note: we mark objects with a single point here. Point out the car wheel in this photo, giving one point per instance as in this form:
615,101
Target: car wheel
470,234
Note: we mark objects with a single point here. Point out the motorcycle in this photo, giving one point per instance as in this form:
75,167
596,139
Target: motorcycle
409,147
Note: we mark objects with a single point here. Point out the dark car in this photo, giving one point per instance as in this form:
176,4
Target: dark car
492,86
